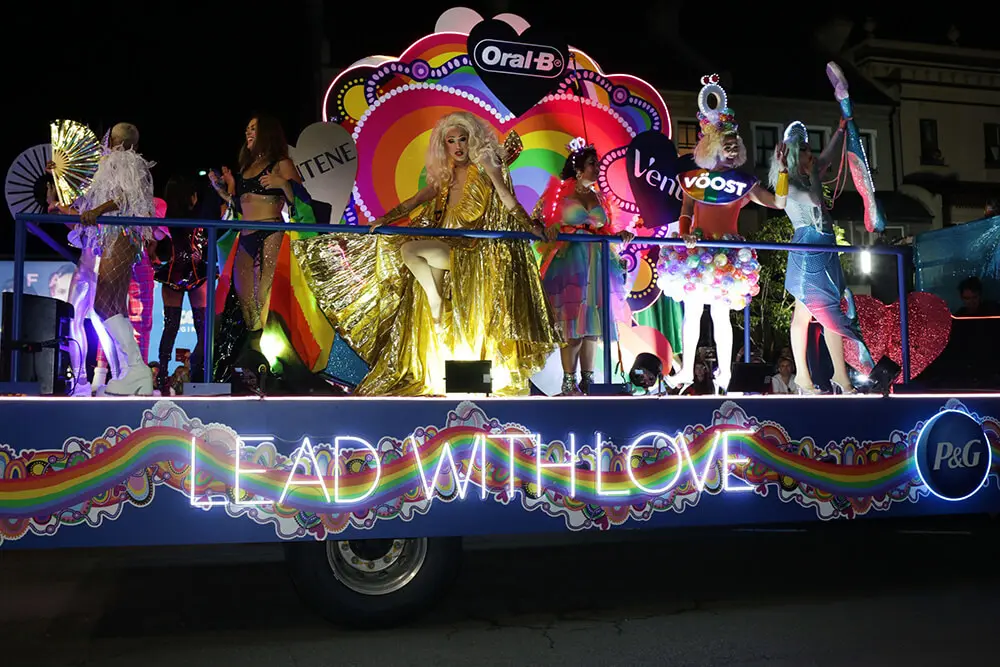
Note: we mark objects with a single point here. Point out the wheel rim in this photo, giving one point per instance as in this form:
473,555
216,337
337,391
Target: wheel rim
376,567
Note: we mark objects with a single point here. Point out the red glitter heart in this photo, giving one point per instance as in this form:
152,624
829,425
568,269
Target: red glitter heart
929,324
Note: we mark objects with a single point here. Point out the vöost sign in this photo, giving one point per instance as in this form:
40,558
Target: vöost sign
717,187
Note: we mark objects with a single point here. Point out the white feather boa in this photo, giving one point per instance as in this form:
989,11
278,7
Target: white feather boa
123,176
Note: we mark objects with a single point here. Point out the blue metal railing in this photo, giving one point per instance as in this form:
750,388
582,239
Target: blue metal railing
25,222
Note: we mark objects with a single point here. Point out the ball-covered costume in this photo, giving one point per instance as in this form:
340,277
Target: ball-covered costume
727,275
712,275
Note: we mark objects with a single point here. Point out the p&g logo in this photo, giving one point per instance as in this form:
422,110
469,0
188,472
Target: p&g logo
953,455
503,57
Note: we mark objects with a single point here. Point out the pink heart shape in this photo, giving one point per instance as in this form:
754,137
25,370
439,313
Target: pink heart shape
929,322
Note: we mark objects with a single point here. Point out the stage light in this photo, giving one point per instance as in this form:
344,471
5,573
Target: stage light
273,346
883,375
468,377
866,262
646,371
203,173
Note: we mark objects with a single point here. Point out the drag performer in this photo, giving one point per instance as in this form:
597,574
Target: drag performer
571,272
815,279
726,278
81,293
265,182
140,312
181,270
402,303
122,186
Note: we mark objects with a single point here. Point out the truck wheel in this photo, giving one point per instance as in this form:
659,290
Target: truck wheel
373,583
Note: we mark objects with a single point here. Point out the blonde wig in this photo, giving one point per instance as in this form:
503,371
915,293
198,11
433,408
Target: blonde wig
484,148
708,150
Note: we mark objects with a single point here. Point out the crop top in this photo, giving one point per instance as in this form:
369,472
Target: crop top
253,186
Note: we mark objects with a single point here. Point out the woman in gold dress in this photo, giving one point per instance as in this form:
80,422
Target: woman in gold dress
405,304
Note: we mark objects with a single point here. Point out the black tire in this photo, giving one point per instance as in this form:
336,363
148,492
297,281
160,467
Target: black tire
335,595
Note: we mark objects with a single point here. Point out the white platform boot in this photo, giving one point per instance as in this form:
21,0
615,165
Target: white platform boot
136,379
100,381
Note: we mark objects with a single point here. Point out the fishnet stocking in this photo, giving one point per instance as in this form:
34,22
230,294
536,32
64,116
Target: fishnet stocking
113,278
253,277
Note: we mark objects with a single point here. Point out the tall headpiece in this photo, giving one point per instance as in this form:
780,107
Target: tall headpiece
578,145
796,132
721,117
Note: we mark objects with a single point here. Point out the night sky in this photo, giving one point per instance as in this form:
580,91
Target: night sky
191,74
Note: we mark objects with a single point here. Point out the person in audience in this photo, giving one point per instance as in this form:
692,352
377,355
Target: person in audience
973,305
703,384
783,382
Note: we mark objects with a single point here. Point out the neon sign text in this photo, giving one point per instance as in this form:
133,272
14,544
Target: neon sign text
467,464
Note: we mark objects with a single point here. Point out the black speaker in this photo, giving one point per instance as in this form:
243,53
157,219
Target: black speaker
44,343
750,378
468,377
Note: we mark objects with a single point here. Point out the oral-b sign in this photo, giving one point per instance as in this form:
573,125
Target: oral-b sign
504,57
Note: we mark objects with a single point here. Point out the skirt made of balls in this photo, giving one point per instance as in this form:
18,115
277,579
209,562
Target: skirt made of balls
710,275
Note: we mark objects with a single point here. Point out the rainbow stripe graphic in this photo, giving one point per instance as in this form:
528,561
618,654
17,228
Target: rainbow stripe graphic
326,491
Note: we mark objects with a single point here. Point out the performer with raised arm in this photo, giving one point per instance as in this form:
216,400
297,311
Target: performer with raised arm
714,195
571,272
815,279
401,301
265,183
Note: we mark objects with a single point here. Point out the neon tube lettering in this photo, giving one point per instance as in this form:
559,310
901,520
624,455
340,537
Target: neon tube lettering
511,459
305,448
239,470
540,464
194,480
726,460
631,474
599,469
478,445
336,469
699,482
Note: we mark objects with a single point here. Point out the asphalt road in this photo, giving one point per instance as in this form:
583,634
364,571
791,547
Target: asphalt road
877,597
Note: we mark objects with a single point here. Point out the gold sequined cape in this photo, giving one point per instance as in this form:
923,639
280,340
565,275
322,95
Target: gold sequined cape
494,300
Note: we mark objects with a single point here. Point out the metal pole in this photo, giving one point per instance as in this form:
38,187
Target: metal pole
208,335
746,334
904,323
20,248
606,320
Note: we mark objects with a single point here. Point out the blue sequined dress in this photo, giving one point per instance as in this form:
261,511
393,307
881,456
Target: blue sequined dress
816,278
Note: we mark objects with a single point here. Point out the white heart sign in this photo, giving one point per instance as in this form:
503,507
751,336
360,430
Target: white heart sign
327,160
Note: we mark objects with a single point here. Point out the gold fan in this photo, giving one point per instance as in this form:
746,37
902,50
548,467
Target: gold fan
75,154
512,144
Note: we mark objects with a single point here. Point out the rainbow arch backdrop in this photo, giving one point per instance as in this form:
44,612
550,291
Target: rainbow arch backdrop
391,105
